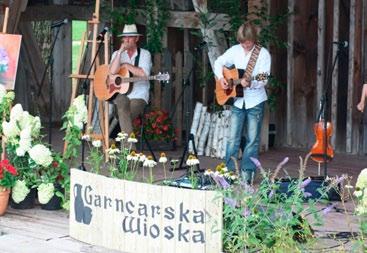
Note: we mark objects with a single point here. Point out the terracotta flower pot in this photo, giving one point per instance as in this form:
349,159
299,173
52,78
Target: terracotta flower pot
4,198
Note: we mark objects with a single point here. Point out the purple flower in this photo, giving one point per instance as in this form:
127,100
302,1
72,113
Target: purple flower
305,183
246,212
231,202
307,194
223,182
271,194
282,163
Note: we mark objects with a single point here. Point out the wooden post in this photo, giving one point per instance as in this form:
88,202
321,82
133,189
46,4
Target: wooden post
6,17
178,95
290,84
320,54
334,79
351,69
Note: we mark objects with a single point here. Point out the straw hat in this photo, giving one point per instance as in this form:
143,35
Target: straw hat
129,30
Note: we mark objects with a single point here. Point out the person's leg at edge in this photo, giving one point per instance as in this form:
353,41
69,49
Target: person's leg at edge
233,144
253,132
124,113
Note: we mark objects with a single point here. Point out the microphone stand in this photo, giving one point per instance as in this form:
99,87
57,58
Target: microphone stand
324,109
50,63
85,87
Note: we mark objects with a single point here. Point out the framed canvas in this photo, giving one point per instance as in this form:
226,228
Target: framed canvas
9,57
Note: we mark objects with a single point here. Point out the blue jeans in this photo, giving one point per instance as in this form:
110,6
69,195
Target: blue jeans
249,122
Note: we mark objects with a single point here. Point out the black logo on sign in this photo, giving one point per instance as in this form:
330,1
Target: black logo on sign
83,214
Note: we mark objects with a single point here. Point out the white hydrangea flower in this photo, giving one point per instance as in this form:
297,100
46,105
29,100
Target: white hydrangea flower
97,143
45,192
19,191
10,95
10,129
2,92
41,155
20,152
362,179
16,112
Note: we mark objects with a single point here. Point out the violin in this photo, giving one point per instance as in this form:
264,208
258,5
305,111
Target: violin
322,150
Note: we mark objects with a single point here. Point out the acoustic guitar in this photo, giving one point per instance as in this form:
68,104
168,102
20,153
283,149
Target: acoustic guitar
107,85
235,88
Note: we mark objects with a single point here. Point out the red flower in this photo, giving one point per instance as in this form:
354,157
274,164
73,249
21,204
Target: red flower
5,165
55,164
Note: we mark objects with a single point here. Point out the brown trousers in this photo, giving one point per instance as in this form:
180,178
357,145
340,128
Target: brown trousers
127,110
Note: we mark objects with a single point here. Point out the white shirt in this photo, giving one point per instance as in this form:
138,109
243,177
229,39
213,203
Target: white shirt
140,89
255,94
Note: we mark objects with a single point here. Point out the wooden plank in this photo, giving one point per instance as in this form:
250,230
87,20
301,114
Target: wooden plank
290,72
357,80
16,7
320,79
178,96
6,18
351,69
62,87
177,19
157,86
334,78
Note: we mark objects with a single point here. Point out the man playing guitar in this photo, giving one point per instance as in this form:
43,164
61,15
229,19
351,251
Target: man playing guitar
247,111
138,62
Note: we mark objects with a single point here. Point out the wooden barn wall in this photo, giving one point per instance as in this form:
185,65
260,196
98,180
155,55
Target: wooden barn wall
298,104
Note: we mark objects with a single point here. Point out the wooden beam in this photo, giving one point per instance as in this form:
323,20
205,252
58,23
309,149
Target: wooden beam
177,19
320,78
290,84
351,69
16,7
334,78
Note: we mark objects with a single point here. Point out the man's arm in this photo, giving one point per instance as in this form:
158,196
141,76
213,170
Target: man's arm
361,104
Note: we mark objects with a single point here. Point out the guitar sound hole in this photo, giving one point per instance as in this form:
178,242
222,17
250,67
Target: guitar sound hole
118,80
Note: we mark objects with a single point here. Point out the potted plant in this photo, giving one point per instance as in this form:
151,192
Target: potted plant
50,190
22,132
158,128
7,180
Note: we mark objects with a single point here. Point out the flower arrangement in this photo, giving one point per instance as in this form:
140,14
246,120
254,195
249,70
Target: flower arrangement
361,208
73,122
264,219
157,126
22,132
8,175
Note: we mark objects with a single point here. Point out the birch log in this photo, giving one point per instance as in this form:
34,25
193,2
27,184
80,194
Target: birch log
213,120
204,134
216,41
195,122
201,123
215,137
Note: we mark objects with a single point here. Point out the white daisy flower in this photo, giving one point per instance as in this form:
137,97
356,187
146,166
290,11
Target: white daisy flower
97,143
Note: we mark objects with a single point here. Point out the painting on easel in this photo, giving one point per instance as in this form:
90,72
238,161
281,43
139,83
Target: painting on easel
9,57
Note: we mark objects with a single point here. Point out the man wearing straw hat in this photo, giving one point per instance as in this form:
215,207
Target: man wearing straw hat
138,62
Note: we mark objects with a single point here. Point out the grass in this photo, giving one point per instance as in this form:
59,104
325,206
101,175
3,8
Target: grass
78,29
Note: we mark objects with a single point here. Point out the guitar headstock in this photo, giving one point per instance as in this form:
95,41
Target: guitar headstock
163,77
262,76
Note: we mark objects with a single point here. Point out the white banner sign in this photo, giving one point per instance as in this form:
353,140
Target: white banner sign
138,217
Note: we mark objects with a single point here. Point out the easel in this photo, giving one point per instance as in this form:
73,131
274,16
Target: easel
103,106
5,25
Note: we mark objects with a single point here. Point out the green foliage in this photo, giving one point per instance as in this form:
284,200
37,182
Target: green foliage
157,16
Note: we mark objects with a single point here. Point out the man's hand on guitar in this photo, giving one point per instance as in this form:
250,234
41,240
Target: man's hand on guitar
245,83
224,83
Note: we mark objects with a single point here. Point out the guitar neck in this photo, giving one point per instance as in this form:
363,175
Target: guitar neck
137,79
238,81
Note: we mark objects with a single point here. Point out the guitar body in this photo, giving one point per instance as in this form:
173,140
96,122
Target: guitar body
236,90
106,86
